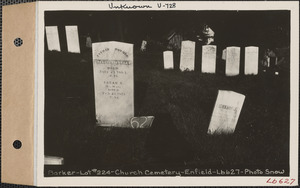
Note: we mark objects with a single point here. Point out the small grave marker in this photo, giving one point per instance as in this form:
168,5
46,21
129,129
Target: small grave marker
187,56
224,54
168,60
52,38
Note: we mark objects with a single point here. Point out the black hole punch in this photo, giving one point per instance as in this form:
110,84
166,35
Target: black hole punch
17,144
18,42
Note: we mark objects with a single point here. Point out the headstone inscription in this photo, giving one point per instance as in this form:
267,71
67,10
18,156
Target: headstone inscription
168,60
209,55
232,61
226,112
52,38
72,39
113,81
251,60
187,56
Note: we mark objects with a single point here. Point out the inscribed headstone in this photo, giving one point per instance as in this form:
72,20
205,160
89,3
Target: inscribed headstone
209,53
113,81
251,60
168,60
226,112
187,56
72,39
224,54
52,38
232,61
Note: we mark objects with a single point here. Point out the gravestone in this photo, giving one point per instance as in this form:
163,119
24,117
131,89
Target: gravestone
88,42
72,39
187,56
113,81
53,160
144,46
224,54
268,61
251,60
226,112
209,55
168,60
52,38
232,61
276,61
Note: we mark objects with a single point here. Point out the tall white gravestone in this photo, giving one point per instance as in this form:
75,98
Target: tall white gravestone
251,60
187,56
72,39
209,55
113,81
52,38
232,61
168,60
226,112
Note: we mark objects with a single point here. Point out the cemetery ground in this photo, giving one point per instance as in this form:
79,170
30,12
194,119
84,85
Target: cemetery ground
182,103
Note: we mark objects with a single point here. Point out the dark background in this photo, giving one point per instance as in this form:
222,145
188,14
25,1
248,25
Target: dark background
182,102
268,29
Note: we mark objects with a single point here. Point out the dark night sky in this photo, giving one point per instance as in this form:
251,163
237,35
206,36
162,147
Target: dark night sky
269,29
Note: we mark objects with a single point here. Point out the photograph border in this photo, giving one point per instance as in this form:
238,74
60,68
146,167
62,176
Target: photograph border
40,180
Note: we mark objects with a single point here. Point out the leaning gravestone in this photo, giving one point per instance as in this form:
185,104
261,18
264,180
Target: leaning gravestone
226,112
113,81
187,56
232,61
168,60
52,38
209,53
251,60
72,39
